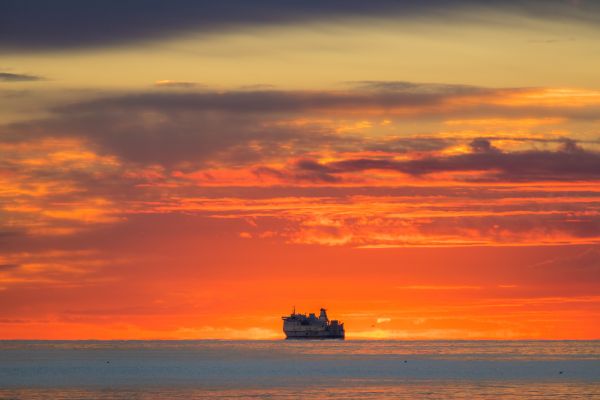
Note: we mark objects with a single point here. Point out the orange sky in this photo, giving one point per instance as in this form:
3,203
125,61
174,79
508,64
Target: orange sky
178,201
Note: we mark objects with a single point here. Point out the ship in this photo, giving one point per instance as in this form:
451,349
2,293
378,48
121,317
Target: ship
300,326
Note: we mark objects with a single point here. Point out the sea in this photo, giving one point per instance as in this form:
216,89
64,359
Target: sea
280,369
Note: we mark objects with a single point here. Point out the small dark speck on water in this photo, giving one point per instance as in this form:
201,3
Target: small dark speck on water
560,372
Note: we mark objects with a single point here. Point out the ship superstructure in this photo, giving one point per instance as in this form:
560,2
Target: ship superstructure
301,326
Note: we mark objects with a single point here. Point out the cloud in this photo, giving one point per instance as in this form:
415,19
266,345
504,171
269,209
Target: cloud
167,83
483,146
195,128
35,25
394,99
413,95
52,267
169,135
570,162
405,218
419,88
171,127
238,126
68,24
10,77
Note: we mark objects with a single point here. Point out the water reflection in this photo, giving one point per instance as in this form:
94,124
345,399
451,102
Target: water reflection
358,389
486,349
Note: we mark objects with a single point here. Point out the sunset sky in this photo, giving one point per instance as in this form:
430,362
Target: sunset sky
187,169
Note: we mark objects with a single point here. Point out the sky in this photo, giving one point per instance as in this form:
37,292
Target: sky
193,170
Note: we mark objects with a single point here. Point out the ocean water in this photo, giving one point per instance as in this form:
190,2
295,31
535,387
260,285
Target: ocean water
298,369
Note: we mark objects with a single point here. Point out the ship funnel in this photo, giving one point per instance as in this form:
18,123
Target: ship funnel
323,315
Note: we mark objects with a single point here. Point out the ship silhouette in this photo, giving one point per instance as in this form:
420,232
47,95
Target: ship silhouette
300,326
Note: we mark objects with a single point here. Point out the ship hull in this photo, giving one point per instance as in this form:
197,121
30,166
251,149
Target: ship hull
304,335
314,337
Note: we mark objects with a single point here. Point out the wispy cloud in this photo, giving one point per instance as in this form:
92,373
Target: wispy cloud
12,77
167,83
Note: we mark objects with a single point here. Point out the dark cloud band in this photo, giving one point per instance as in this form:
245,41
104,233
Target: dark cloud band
27,25
247,127
570,162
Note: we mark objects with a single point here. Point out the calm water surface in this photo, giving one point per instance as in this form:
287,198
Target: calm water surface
293,369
